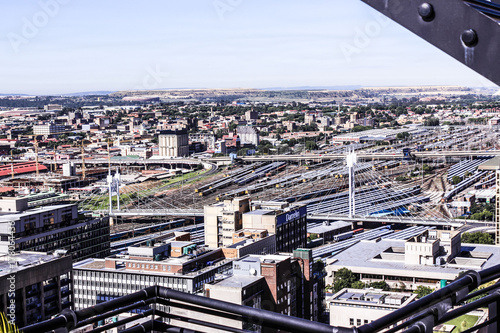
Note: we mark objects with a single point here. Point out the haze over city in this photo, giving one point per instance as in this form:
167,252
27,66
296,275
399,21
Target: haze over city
62,46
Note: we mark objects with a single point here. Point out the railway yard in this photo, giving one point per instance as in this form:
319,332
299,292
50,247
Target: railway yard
406,187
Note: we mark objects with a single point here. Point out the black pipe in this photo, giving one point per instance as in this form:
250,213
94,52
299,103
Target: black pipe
116,303
469,280
265,318
200,322
124,321
469,307
481,291
159,326
190,307
115,312
140,328
46,326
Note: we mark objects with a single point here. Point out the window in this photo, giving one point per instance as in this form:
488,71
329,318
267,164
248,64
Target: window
358,322
351,321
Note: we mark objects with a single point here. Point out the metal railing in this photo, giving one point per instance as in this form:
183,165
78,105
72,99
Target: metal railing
417,317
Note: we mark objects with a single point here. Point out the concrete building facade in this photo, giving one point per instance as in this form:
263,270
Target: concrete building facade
50,228
43,286
223,219
173,143
356,307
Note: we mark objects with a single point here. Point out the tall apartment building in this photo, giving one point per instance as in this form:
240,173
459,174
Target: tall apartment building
173,143
290,284
286,221
223,219
48,129
248,135
43,286
49,228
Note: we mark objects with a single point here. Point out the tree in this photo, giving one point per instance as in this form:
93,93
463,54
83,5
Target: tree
455,180
422,291
403,136
380,285
358,285
311,145
477,238
432,121
344,278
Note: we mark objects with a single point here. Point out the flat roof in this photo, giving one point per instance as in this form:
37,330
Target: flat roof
25,260
238,281
491,164
360,258
325,228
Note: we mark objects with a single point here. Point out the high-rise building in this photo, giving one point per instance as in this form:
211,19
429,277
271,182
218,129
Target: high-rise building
248,135
223,219
293,284
34,286
286,221
48,129
173,143
49,228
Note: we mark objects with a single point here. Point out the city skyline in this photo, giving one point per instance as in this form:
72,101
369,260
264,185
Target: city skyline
64,46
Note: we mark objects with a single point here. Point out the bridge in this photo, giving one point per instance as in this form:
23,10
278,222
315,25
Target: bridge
433,221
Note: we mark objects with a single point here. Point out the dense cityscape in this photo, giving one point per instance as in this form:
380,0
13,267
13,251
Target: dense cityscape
305,203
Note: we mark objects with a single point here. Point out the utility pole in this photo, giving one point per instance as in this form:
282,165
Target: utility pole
12,164
36,157
351,160
83,162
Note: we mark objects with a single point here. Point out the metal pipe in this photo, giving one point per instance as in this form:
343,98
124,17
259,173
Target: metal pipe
123,321
201,322
117,302
115,312
264,318
468,280
141,328
190,307
482,291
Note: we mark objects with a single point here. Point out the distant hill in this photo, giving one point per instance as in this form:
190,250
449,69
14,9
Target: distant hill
87,93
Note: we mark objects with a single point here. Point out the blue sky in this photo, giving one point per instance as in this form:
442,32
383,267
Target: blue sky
64,46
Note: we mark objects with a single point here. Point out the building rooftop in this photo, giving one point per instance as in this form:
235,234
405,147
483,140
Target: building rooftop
362,256
372,297
24,260
238,281
326,228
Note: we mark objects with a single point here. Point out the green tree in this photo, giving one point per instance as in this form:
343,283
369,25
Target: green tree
344,278
455,180
477,238
358,285
311,145
422,291
432,121
380,285
403,136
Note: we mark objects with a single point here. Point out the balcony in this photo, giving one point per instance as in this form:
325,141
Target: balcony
418,317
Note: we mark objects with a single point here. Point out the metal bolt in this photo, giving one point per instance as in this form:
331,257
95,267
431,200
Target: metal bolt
426,11
469,37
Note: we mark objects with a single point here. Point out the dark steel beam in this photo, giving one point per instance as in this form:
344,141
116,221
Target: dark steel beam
466,30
